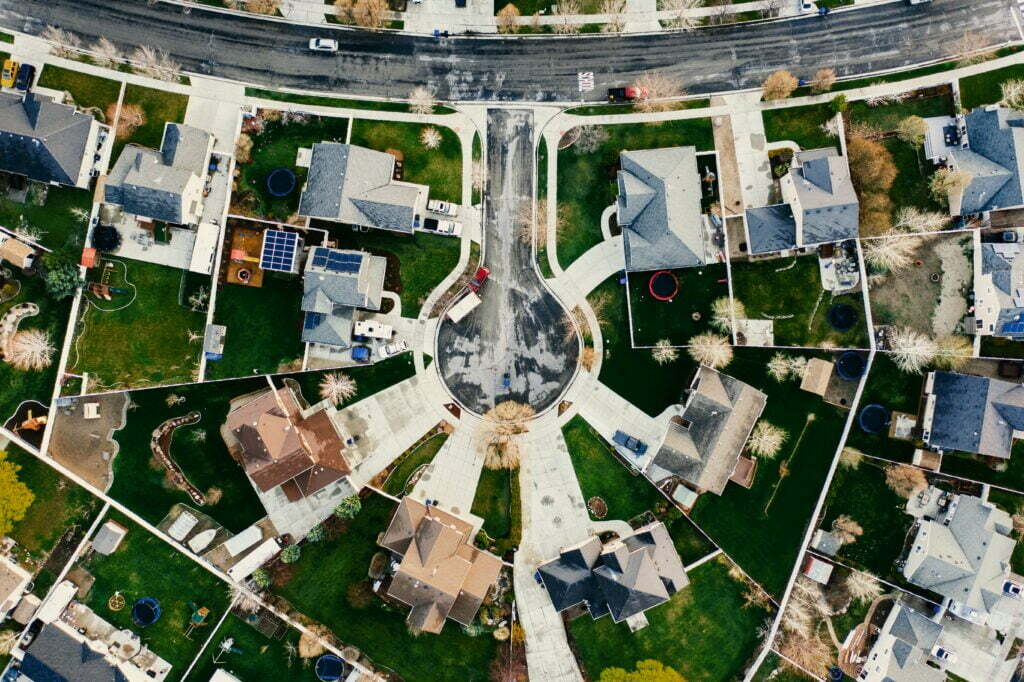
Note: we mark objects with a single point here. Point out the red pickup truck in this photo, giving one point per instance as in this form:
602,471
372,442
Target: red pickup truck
478,279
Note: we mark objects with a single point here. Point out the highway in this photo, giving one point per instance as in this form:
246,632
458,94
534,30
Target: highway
537,69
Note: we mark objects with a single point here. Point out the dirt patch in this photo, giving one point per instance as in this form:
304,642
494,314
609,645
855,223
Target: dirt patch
909,297
957,275
86,446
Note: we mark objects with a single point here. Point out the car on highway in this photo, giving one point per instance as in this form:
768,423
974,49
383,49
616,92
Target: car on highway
395,348
26,76
443,207
9,74
445,227
478,279
323,45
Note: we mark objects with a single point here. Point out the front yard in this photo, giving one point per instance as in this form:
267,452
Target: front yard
160,107
499,504
686,315
89,92
802,125
369,378
984,88
440,169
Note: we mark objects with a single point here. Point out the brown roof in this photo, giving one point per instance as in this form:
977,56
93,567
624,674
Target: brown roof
744,472
817,376
15,252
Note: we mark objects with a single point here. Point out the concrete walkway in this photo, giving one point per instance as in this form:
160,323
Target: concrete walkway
452,477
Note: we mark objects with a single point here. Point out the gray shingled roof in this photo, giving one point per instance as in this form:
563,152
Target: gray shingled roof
659,209
43,140
333,328
330,298
54,656
827,200
975,414
994,159
770,229
354,185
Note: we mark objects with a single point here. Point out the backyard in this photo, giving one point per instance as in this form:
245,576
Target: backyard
586,181
89,92
895,390
686,315
799,316
141,337
802,125
706,632
145,566
369,378
321,582
440,169
140,482
159,107
259,658
397,482
498,503
55,217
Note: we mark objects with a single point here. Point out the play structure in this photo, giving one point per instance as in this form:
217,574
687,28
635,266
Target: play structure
874,418
841,317
329,668
226,646
281,182
663,285
851,365
197,619
146,612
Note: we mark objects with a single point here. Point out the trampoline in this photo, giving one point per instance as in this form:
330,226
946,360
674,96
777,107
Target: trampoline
851,365
663,285
841,317
281,182
146,611
874,418
329,668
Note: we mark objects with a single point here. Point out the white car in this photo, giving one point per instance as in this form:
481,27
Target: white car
443,207
394,348
323,45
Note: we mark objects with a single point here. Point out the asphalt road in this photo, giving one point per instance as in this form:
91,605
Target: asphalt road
517,329
542,68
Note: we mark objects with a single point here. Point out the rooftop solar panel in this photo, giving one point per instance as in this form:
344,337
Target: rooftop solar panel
279,249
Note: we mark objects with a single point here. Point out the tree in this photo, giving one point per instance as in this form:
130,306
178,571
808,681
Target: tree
851,458
156,64
953,352
61,275
711,350
862,586
839,104
565,10
268,7
912,351
655,90
905,480
646,671
430,137
260,578
370,13
872,168
64,43
337,387
106,238
616,11
913,219
846,529
681,17
315,534
243,148
890,254
1013,94
106,54
823,80
421,100
766,439
912,130
349,507
504,423
663,352
723,310
949,182
508,19
778,367
590,139
29,349
130,118
15,496
779,85
291,554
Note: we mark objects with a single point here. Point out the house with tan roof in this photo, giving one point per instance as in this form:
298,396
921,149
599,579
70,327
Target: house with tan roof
13,581
441,574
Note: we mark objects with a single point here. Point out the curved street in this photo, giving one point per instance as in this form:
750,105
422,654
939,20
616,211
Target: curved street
266,52
518,327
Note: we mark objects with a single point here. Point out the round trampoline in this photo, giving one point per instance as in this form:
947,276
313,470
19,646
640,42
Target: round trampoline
663,285
281,182
146,611
874,418
329,668
851,365
841,317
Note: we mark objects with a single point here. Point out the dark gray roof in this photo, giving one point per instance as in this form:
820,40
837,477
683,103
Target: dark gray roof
355,185
975,414
915,629
333,328
994,264
825,195
323,288
43,140
770,229
659,209
1009,318
995,136
54,656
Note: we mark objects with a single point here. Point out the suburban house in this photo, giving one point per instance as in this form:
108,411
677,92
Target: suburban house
335,283
819,206
659,210
13,581
988,145
998,290
357,186
703,443
49,142
903,650
968,413
165,185
961,550
288,451
440,573
623,578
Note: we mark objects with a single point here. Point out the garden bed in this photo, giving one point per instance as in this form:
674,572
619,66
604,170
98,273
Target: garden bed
397,482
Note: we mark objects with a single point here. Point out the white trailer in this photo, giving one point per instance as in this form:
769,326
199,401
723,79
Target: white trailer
373,329
463,307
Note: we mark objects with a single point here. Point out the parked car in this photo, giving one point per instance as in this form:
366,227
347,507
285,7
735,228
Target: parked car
626,94
323,45
478,279
26,77
632,444
445,227
9,74
443,207
361,353
394,348
943,654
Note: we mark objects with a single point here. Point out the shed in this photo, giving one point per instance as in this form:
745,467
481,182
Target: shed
26,609
256,558
182,526
220,675
58,601
817,570
817,376
108,538
243,541
91,411
685,497
88,257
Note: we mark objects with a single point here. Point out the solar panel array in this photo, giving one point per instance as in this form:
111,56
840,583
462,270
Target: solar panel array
1013,328
337,261
279,249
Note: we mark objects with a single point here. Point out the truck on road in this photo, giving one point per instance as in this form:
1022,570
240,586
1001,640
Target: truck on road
464,307
478,279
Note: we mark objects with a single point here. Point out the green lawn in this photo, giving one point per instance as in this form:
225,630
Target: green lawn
801,125
160,106
336,101
994,347
984,88
140,484
318,588
758,285
143,343
277,147
654,320
369,378
601,474
88,91
498,503
264,326
145,566
261,659
762,528
899,392
19,385
988,470
586,182
634,374
440,169
607,109
886,118
421,455
704,632
59,222
417,263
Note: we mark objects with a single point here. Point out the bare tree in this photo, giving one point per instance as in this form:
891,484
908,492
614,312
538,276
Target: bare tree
912,130
1013,94
566,9
682,17
779,85
370,13
590,139
616,11
29,349
711,350
63,43
337,387
949,182
106,53
851,458
508,19
823,80
905,480
912,351
862,586
766,439
846,529
506,421
663,352
131,117
890,253
723,310
913,219
421,100
156,64
655,90
430,137
243,148
771,9
954,352
268,7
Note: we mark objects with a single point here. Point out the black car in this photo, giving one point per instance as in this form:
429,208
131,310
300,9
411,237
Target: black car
26,76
